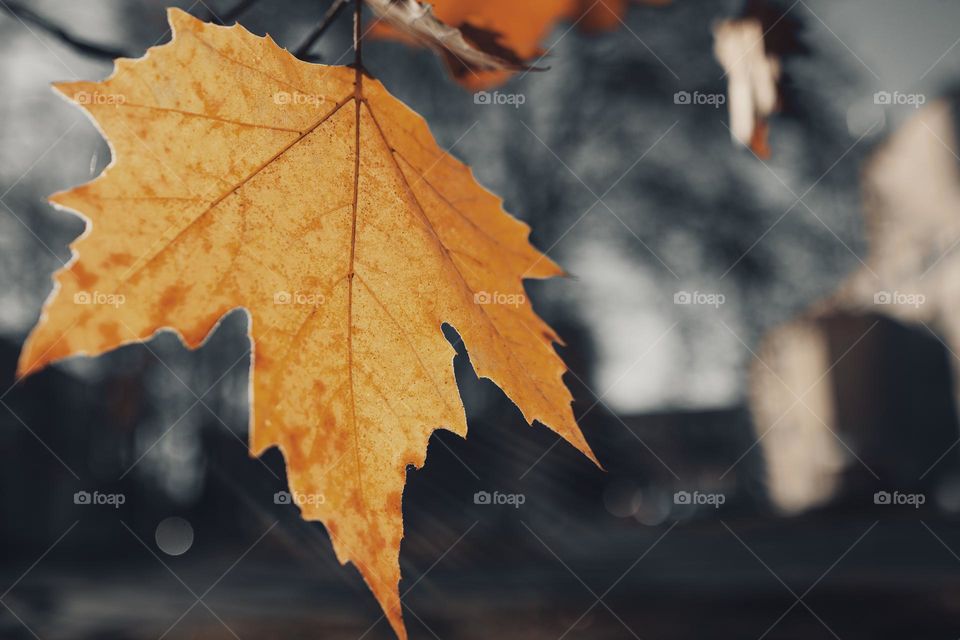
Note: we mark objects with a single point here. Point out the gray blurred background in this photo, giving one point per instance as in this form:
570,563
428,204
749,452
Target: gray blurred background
793,402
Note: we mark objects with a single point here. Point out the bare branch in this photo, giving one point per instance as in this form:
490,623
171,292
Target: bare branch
304,49
85,47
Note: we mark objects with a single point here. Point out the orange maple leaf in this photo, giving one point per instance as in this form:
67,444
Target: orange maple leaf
311,197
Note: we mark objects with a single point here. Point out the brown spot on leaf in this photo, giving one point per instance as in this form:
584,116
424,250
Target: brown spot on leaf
117,260
110,333
172,297
85,279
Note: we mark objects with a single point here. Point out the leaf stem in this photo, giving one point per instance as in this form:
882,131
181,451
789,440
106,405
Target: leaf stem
358,34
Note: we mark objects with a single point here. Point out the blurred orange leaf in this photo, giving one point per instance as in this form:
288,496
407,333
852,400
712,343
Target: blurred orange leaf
414,21
505,25
314,199
514,27
511,30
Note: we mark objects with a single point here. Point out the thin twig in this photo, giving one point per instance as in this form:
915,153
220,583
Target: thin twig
86,47
358,35
304,49
230,15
